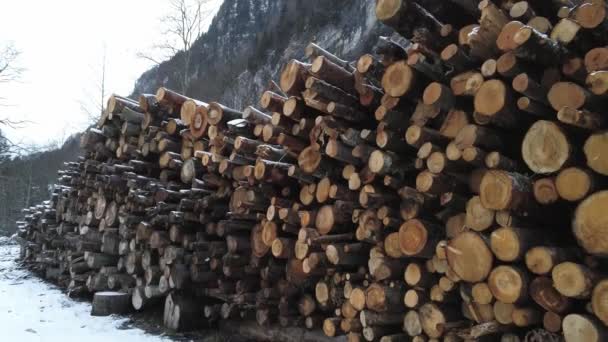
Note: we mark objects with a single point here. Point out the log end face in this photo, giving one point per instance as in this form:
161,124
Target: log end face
545,147
469,256
386,10
397,79
538,260
566,94
596,152
590,224
413,237
490,98
590,15
599,301
578,327
573,184
569,279
505,244
324,221
496,190
506,284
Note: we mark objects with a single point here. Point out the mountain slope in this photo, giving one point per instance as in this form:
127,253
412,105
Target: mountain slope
248,42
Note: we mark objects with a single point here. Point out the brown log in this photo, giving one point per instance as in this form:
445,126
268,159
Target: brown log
545,295
594,151
573,280
329,216
293,77
435,319
509,284
527,86
494,100
419,238
537,47
511,244
383,298
400,79
478,217
473,135
572,95
470,257
574,184
598,300
466,83
587,226
333,73
496,160
500,190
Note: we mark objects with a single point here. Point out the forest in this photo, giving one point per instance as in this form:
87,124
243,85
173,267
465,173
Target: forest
27,177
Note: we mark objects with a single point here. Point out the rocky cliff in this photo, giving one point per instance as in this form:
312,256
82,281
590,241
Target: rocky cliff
249,40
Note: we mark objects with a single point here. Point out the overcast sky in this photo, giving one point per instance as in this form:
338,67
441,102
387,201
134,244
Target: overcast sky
62,46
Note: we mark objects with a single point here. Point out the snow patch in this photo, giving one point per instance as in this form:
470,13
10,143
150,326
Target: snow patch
32,310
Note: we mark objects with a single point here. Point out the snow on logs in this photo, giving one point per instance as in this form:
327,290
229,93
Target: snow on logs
448,184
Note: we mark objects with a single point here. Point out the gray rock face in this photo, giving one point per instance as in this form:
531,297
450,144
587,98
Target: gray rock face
250,40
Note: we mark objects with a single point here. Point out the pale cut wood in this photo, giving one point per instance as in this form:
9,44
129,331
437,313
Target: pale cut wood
546,147
573,280
578,327
588,224
470,257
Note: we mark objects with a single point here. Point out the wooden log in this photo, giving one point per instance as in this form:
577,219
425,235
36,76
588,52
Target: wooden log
293,77
594,151
573,280
575,184
333,73
418,238
545,295
587,226
470,257
511,244
500,190
572,95
579,327
537,47
434,319
493,100
509,284
478,217
473,135
541,259
108,303
400,79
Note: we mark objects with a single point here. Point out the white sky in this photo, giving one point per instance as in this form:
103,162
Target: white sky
62,44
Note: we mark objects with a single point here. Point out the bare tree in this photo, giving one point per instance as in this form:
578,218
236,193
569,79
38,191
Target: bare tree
93,102
9,69
181,28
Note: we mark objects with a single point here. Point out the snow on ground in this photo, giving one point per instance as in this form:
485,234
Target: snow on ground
32,310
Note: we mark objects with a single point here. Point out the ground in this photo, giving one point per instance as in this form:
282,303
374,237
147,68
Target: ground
32,310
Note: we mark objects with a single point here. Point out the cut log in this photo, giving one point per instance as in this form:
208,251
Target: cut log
109,303
595,149
470,257
573,280
588,224
546,147
509,284
578,327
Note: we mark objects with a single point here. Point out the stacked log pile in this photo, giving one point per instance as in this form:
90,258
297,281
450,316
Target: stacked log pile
446,186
